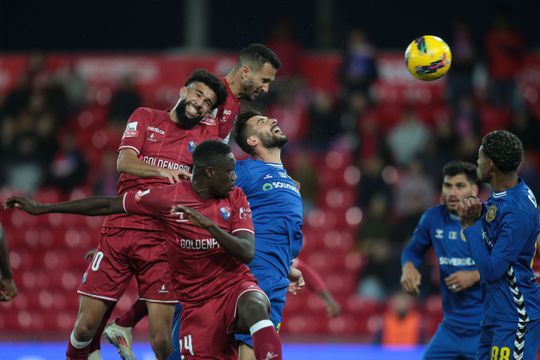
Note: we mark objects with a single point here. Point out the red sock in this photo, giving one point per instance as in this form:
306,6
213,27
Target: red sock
77,350
96,341
266,343
137,311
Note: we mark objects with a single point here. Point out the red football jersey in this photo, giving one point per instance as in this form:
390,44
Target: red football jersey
160,142
201,268
222,119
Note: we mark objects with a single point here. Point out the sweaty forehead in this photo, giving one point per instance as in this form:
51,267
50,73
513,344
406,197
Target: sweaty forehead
202,87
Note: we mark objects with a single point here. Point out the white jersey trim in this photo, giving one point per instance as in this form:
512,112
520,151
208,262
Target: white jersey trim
124,202
129,147
96,296
243,229
160,301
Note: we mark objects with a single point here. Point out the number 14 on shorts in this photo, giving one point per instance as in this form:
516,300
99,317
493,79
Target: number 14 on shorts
186,343
500,353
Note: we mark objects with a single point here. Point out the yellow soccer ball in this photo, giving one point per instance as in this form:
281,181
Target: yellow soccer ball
428,57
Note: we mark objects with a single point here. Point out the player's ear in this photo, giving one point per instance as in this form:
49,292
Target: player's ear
183,92
209,172
474,189
244,71
252,140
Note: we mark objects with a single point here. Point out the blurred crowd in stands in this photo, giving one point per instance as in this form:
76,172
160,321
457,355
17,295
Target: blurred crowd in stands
399,146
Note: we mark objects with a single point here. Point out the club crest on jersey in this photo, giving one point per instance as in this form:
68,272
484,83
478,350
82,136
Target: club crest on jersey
191,146
225,212
491,213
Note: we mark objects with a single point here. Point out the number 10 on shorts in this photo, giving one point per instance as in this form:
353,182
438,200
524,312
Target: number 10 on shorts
186,344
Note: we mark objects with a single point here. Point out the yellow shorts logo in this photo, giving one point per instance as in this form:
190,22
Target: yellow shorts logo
278,327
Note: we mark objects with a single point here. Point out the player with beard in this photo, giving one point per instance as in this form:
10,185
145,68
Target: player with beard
251,76
276,206
501,236
155,149
208,223
458,335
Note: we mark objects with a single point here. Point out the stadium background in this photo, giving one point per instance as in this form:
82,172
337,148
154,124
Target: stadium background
367,141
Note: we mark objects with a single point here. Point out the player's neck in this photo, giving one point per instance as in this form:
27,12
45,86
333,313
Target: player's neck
234,83
503,181
201,189
269,155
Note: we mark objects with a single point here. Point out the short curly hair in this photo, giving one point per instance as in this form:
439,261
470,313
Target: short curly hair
504,149
212,81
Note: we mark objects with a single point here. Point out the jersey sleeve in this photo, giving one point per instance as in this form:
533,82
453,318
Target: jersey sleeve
241,214
149,202
419,244
513,232
134,134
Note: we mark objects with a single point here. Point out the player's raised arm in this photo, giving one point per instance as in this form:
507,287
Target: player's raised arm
128,162
91,206
241,244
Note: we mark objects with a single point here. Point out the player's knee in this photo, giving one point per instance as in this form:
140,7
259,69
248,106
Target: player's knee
161,340
84,331
252,309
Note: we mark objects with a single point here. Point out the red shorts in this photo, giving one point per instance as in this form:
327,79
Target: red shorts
122,253
207,329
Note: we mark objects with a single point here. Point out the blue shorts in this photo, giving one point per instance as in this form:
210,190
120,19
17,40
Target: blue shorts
450,344
175,355
505,339
275,287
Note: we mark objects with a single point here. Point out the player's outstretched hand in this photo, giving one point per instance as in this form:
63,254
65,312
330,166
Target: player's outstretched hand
410,279
193,216
461,280
174,176
469,210
8,290
25,204
333,309
296,279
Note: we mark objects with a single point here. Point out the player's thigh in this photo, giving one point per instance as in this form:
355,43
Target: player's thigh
109,272
204,334
160,317
443,346
510,340
150,258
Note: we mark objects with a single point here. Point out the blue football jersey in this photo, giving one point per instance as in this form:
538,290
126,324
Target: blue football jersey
440,229
504,254
276,208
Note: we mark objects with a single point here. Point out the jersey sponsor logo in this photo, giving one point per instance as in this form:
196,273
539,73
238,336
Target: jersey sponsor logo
165,164
244,213
270,356
191,146
226,114
198,244
155,129
131,130
439,233
491,213
279,185
225,212
456,261
139,194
